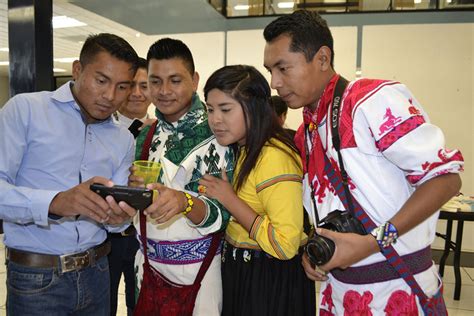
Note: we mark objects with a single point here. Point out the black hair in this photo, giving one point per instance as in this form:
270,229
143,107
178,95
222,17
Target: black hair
141,64
308,32
168,48
110,43
248,86
279,105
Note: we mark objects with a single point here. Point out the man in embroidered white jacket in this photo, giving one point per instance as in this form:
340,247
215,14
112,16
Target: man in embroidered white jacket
178,226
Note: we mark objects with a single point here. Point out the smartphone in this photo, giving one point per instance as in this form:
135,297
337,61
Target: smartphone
133,128
138,198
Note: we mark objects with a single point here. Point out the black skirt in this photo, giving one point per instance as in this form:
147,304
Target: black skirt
255,283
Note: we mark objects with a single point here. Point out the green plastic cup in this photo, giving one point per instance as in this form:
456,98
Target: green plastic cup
148,170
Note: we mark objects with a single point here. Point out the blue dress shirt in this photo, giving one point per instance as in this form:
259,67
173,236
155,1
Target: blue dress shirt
46,147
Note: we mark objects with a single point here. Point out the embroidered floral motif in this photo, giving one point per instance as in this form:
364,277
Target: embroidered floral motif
320,188
390,122
326,301
356,304
413,110
401,303
323,312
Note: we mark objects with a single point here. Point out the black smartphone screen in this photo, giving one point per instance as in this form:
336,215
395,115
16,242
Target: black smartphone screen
133,128
138,198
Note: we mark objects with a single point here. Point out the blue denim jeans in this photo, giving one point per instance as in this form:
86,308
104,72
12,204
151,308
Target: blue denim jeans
38,291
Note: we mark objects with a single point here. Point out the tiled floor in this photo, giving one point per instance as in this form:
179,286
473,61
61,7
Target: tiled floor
463,307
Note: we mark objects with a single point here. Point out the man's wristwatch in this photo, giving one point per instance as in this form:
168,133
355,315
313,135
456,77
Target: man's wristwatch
385,234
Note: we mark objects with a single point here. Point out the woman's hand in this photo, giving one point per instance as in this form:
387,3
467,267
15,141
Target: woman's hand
215,188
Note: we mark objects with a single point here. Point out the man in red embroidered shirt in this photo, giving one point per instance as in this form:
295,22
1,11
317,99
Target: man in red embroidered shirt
398,171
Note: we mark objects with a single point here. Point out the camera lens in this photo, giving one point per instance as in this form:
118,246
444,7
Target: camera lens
320,250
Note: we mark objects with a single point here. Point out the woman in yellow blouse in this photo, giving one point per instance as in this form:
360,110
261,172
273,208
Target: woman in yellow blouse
261,270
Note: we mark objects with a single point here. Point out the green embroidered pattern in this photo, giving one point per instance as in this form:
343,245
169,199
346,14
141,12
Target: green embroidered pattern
181,141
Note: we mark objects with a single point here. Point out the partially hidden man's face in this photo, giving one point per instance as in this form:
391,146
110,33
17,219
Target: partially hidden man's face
101,86
171,87
139,99
298,82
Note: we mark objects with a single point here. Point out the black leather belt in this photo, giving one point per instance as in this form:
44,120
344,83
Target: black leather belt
64,263
130,231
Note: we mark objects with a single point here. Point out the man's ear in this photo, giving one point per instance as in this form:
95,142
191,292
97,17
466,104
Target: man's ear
76,69
323,58
195,81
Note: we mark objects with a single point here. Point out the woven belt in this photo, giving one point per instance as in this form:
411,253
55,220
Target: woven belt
417,262
179,252
64,263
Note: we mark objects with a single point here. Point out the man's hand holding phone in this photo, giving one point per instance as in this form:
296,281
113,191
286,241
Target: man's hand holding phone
138,198
80,200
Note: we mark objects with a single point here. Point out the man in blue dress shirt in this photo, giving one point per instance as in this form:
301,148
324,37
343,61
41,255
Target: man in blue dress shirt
53,145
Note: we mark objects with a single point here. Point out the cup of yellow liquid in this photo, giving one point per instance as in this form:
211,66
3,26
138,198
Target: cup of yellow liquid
148,170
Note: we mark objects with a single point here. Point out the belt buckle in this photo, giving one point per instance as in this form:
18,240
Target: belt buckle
75,261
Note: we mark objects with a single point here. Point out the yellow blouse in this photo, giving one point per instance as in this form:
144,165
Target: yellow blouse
273,190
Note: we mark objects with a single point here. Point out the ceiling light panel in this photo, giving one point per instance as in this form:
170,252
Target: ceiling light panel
63,21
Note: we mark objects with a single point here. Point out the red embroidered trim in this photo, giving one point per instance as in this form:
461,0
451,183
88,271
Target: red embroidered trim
401,303
445,157
356,304
399,131
359,92
326,300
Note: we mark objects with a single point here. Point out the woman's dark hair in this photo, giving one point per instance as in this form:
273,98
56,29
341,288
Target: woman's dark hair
248,86
279,105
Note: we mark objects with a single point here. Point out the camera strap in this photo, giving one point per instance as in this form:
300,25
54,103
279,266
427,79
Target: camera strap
340,179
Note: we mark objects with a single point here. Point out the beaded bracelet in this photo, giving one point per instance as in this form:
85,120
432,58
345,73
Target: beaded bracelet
189,206
385,235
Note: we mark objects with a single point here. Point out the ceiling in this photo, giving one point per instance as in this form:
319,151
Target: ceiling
134,18
128,19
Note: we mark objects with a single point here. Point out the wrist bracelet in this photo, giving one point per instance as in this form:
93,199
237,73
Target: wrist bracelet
189,206
385,235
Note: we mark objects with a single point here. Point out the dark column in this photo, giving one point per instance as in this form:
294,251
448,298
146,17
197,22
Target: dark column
30,38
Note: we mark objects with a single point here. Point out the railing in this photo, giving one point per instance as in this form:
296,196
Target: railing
241,8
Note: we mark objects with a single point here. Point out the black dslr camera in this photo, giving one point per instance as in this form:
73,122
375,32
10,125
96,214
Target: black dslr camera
320,249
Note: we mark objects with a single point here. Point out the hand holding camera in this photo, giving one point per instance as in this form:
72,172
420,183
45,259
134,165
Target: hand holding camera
320,249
